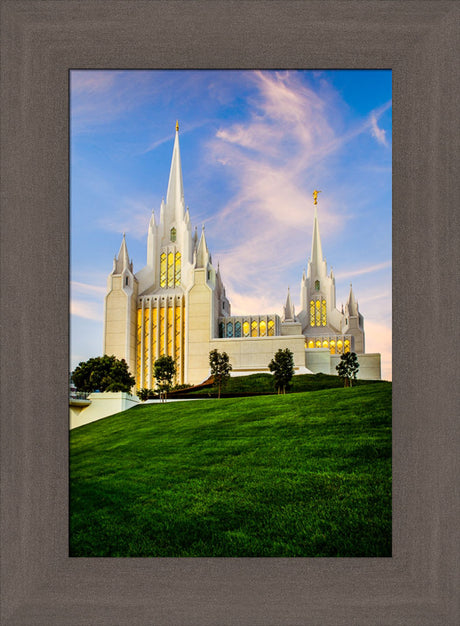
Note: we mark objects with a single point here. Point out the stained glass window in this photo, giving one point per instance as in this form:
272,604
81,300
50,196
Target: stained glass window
172,234
271,328
312,313
246,329
339,346
177,269
263,328
318,344
318,313
332,346
254,328
170,269
229,329
311,344
323,313
163,270
325,344
162,331
221,329
347,345
317,285
237,329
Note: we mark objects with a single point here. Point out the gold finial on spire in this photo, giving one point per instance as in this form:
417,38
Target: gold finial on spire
177,125
315,196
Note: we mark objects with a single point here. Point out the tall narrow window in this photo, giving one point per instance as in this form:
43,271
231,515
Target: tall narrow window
339,346
318,313
318,344
347,345
311,344
170,269
271,328
263,328
254,328
146,347
162,331
163,270
246,329
323,313
139,347
317,285
221,329
170,332
177,270
126,281
237,329
332,345
312,313
229,329
172,234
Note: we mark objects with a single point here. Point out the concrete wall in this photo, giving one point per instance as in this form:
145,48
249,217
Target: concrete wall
320,360
255,353
102,405
198,329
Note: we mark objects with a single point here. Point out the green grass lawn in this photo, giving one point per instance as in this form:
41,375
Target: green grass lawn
306,474
258,384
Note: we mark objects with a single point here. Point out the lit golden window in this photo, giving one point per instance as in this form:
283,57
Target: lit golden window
323,313
177,269
271,328
170,331
339,346
311,344
318,344
254,328
246,329
312,313
325,344
163,270
162,331
263,328
170,269
347,345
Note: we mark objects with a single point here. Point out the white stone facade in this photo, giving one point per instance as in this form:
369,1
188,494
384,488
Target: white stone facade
176,305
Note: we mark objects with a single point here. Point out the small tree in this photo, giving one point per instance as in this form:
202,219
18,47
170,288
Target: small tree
103,373
282,366
220,368
144,394
348,368
165,370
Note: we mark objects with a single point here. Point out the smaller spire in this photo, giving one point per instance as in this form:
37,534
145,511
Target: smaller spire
202,253
177,126
122,259
289,313
352,305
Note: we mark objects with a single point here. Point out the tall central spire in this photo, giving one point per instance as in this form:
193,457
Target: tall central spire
316,249
175,194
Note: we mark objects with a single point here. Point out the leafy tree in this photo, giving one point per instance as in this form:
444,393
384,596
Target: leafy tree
348,368
282,366
220,368
165,370
103,373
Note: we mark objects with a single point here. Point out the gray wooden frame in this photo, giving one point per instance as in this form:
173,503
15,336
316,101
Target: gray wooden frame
41,40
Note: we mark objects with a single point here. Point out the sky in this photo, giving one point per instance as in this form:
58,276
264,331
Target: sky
254,145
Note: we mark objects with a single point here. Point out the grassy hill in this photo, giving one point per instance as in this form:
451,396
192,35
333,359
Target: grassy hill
306,474
262,384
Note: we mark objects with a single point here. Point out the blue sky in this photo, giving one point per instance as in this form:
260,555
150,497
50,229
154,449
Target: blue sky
254,146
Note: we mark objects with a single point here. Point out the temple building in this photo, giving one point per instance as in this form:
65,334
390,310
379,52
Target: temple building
177,305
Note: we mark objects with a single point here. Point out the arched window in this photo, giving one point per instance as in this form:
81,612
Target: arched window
311,344
325,344
229,329
263,328
246,329
163,270
318,313
316,285
323,313
254,328
347,345
312,313
339,346
177,270
237,329
271,328
170,269
332,346
318,343
172,234
126,281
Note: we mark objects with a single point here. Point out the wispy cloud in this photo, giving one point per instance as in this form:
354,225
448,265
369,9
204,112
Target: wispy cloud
78,287
370,269
378,133
86,309
132,216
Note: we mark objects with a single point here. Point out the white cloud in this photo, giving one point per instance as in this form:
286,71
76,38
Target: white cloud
87,289
378,133
86,309
132,216
363,270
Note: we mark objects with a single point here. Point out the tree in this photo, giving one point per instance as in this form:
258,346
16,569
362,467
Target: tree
165,370
282,366
103,373
220,368
144,394
348,368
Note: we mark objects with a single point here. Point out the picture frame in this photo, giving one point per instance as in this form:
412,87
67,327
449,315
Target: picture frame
41,42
